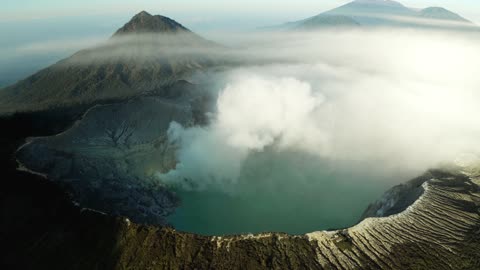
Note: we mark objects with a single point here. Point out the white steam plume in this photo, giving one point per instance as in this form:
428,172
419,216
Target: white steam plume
405,100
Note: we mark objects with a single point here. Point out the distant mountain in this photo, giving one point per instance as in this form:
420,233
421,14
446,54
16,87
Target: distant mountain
440,13
372,12
379,13
326,21
145,55
367,8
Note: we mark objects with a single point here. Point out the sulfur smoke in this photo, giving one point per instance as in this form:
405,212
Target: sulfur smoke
394,101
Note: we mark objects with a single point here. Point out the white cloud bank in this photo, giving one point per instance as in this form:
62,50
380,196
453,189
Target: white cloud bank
406,100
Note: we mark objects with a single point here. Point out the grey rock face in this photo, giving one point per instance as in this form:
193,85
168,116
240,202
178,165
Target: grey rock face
398,198
109,158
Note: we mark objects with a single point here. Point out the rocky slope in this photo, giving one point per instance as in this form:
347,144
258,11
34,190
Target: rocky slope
108,160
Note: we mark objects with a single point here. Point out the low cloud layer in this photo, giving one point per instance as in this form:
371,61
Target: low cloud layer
392,100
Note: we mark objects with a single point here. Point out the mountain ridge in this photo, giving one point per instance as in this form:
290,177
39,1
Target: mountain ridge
368,13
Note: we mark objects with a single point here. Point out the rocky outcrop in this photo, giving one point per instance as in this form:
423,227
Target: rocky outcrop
398,198
438,231
107,161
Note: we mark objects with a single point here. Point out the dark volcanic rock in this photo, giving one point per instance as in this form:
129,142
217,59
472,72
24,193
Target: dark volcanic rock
109,159
398,198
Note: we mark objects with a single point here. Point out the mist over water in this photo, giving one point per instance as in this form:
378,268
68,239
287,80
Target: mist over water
284,192
315,126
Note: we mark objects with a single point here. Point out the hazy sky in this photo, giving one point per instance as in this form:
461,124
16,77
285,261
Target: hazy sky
26,20
42,32
198,14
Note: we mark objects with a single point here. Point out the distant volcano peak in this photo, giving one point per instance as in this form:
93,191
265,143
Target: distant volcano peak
441,13
143,13
144,22
379,2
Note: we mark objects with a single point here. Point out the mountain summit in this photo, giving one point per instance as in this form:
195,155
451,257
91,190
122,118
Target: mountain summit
144,22
367,7
388,3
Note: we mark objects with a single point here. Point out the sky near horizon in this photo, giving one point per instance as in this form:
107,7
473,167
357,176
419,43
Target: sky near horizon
28,20
31,20
198,14
42,32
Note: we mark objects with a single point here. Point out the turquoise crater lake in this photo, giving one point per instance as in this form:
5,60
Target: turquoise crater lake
288,193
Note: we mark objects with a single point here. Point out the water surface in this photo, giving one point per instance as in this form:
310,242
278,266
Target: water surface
287,193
